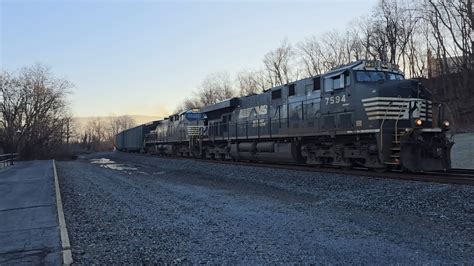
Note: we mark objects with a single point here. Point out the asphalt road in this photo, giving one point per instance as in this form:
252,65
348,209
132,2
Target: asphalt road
132,208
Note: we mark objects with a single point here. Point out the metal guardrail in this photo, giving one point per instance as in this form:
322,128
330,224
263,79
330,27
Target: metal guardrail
7,159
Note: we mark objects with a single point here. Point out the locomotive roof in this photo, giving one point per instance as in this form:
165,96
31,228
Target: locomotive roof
363,64
338,69
152,122
189,111
343,68
232,102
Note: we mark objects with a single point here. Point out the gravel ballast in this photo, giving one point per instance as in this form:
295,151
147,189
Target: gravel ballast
134,208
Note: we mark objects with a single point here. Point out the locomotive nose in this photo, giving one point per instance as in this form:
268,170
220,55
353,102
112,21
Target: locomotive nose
417,90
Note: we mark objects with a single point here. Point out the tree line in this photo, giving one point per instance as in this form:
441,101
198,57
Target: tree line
99,133
36,122
35,118
431,40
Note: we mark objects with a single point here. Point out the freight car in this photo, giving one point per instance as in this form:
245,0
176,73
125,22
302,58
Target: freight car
362,114
132,139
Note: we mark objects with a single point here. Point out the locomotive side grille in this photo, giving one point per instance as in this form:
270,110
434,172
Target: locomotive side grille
393,108
195,130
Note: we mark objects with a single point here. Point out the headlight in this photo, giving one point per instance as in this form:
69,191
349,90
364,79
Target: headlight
446,123
418,122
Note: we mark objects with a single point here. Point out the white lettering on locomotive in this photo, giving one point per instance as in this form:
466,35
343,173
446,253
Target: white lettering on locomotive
335,99
259,110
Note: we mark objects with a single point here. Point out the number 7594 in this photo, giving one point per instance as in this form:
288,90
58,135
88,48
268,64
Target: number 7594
335,99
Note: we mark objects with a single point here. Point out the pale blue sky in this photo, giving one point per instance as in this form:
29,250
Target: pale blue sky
145,57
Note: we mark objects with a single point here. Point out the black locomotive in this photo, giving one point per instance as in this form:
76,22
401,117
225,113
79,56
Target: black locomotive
362,114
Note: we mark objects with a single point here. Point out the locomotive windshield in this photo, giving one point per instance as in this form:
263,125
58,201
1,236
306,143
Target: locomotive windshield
373,76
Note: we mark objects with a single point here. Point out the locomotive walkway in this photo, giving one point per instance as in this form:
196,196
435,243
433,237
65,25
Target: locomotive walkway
30,231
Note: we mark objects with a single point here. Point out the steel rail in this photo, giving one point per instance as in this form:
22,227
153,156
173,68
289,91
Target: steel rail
448,177
453,176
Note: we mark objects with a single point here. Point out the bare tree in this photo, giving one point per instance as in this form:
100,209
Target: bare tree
189,104
456,19
33,111
117,124
250,82
215,88
393,33
353,45
328,51
99,133
388,17
68,129
279,64
365,31
338,49
311,56
96,134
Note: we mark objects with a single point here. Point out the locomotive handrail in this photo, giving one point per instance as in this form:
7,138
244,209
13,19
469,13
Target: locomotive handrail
381,124
396,125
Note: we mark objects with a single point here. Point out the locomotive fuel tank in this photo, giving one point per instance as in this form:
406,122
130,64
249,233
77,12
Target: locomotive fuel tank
267,151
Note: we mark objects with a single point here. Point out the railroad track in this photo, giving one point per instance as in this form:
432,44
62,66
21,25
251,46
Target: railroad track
453,176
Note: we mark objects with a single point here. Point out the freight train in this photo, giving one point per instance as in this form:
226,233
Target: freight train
363,114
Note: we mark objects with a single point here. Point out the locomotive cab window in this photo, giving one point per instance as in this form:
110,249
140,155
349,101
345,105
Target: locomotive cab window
334,82
374,76
291,90
370,76
347,79
276,94
317,84
394,76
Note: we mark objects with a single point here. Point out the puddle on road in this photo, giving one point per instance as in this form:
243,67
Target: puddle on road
107,163
126,168
159,173
119,167
102,161
143,173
